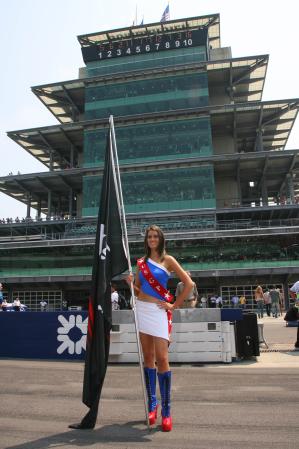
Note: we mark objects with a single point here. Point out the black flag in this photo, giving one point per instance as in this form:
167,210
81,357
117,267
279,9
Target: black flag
110,259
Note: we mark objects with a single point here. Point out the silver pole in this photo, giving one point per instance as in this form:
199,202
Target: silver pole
119,195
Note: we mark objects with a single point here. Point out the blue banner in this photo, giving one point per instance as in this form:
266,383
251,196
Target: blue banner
43,335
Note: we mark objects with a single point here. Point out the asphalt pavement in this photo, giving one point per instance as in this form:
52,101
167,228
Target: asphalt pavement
247,404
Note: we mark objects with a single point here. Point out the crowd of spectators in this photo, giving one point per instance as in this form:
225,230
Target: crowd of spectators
10,220
15,306
268,300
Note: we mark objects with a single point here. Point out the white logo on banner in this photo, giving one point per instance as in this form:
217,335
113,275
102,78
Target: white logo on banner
103,247
63,331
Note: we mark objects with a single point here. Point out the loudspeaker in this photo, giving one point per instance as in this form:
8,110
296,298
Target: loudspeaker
247,338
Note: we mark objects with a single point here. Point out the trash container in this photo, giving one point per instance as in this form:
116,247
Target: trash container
260,327
247,337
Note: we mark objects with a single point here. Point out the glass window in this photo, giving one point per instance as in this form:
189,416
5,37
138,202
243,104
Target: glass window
32,299
152,141
227,292
157,190
147,61
45,261
147,95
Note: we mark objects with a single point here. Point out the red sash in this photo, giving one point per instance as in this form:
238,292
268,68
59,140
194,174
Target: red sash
165,294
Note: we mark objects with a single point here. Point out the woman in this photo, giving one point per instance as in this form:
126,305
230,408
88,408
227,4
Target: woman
242,302
259,297
153,272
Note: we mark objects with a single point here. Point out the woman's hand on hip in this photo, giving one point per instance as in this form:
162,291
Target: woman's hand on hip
166,305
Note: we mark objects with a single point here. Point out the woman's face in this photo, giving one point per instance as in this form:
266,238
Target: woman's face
153,239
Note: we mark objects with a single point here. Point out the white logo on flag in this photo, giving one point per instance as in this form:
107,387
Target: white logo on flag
63,331
103,244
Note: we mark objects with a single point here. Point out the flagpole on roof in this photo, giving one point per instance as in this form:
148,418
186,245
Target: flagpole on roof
166,14
136,15
116,174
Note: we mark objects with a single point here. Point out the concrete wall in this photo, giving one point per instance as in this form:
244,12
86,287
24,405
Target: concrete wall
220,53
218,96
79,204
80,159
227,194
82,72
223,144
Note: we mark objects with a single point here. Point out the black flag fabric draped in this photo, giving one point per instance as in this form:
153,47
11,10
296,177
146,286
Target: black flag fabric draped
110,259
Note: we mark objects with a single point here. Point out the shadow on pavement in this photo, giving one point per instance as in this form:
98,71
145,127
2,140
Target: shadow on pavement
294,352
107,434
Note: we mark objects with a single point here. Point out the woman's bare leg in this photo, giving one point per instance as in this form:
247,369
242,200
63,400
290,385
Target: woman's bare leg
161,352
148,349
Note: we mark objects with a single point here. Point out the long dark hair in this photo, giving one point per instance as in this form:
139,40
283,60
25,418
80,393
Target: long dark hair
161,248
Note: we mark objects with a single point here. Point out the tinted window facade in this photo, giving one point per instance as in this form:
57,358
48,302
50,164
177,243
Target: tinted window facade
156,188
163,93
160,141
170,58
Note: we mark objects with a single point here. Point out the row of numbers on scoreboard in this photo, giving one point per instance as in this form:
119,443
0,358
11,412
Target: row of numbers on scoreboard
135,49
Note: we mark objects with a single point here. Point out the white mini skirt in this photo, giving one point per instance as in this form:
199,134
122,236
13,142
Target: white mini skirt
151,319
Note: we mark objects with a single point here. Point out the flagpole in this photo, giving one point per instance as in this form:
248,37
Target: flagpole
135,24
119,195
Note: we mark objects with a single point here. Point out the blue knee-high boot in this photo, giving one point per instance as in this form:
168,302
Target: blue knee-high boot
165,389
150,382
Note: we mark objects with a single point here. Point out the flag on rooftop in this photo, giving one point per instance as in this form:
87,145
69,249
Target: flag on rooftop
166,14
110,260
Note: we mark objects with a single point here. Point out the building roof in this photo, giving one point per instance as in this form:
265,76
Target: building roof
37,186
58,140
212,21
60,144
243,78
272,121
274,166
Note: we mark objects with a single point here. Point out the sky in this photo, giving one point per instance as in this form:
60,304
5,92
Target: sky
39,45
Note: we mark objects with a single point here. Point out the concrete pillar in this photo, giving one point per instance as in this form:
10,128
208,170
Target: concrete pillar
286,295
28,205
72,156
264,193
9,293
239,187
39,208
259,141
71,203
290,189
74,114
58,210
49,203
51,160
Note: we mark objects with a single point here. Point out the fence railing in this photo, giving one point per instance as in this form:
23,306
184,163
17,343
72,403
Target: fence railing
77,230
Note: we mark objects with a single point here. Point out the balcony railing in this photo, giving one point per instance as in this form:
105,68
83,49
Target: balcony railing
37,232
